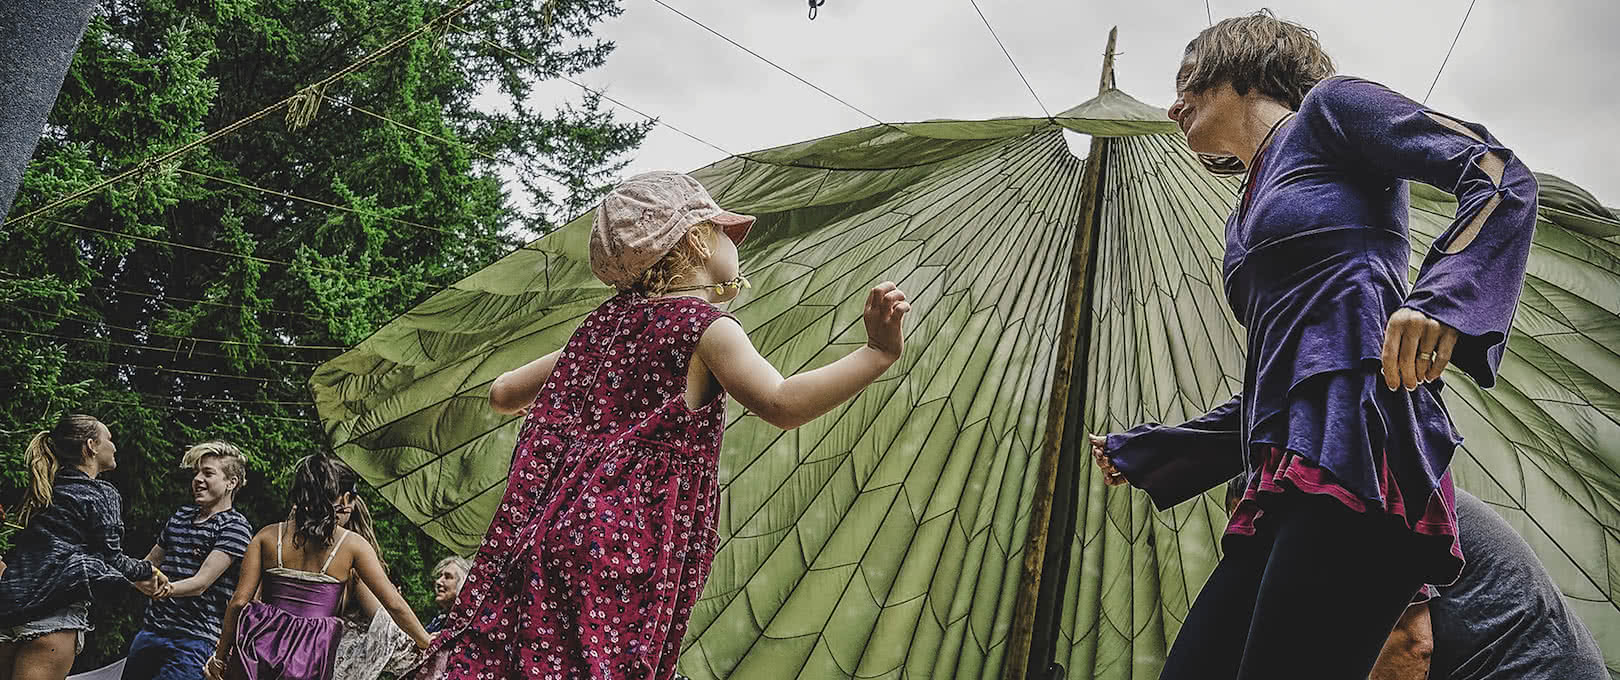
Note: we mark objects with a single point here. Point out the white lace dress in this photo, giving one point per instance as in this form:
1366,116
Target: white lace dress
369,649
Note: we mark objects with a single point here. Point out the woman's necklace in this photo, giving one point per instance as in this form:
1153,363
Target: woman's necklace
739,283
1259,157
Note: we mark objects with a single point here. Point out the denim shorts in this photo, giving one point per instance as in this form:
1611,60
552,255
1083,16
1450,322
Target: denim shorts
75,617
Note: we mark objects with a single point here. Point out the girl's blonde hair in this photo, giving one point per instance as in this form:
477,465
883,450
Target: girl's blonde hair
676,265
360,522
231,460
49,452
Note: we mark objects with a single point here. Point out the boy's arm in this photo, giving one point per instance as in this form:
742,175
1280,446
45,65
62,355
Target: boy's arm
788,403
230,543
155,555
215,564
517,388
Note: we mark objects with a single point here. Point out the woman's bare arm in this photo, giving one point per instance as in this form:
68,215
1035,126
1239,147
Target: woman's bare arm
212,567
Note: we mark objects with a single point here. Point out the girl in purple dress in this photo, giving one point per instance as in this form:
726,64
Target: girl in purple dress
300,569
1348,508
604,537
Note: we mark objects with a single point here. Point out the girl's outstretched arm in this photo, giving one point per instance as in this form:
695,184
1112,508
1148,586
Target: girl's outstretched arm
370,571
247,588
517,388
367,602
788,403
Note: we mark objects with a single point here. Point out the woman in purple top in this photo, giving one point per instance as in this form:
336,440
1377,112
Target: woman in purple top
1340,427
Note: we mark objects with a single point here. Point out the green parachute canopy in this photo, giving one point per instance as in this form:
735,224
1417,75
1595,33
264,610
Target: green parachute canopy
887,538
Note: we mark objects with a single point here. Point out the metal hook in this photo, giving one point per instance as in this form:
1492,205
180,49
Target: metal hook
813,5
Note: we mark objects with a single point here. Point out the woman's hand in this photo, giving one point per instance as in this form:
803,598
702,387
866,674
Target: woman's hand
1111,475
149,587
1417,349
214,669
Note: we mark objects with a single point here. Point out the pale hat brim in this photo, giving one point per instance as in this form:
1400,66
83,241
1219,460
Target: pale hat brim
735,225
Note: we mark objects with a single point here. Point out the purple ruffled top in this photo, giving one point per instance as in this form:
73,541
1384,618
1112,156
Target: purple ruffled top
1315,265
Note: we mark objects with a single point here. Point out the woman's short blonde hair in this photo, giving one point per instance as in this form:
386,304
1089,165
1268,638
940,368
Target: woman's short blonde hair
1280,59
461,564
677,265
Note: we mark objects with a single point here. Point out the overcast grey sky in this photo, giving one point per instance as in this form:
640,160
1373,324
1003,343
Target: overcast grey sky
1540,75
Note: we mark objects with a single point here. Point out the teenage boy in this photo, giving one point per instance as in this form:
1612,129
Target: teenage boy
199,549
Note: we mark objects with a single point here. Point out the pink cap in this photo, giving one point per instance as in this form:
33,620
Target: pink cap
641,220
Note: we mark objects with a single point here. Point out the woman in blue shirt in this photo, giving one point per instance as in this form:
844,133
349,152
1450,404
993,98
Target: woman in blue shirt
1349,508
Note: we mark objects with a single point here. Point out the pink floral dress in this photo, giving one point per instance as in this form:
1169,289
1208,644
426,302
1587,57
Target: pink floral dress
604,538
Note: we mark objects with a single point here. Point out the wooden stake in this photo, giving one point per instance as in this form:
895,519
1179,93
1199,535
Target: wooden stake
1071,341
1107,81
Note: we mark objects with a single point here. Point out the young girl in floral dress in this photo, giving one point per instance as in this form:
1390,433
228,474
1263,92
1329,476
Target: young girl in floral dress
604,538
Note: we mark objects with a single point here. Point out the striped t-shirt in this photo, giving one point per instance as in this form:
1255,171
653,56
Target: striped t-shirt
186,543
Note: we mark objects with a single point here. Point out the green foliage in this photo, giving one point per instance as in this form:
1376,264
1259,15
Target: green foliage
211,327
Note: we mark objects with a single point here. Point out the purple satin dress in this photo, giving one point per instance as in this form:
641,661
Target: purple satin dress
292,633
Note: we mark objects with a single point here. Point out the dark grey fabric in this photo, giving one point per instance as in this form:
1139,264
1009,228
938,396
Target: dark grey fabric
1504,617
71,548
37,40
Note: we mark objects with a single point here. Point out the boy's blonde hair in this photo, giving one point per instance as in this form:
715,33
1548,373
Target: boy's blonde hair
676,265
231,460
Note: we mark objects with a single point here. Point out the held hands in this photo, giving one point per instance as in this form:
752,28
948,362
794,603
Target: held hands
1111,475
886,306
157,587
214,669
410,652
1416,349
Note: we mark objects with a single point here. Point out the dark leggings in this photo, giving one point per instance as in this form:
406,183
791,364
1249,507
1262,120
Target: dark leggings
1313,595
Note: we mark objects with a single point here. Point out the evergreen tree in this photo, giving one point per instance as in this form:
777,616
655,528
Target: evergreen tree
195,300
